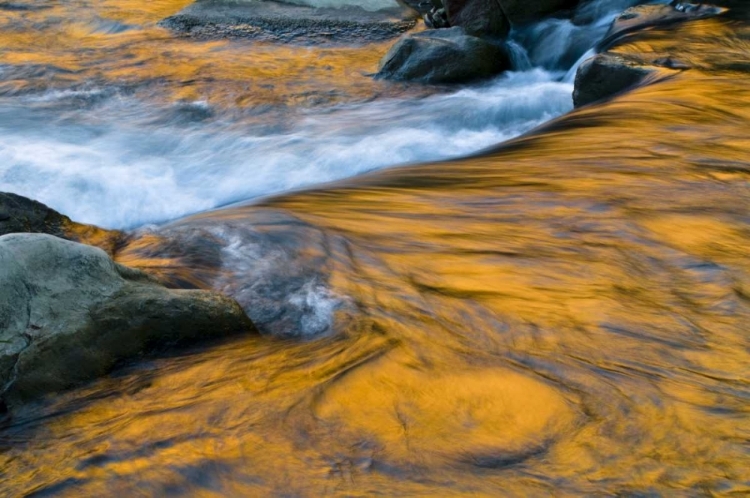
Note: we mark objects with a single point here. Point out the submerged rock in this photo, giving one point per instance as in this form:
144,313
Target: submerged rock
68,313
285,22
444,56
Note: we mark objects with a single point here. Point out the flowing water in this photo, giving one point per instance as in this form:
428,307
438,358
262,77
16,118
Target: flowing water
565,313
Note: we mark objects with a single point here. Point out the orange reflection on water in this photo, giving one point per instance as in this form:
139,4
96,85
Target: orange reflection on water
565,315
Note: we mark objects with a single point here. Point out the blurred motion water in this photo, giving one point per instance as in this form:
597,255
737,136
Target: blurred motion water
562,314
119,124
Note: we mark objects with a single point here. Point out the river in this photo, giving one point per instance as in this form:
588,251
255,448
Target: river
496,295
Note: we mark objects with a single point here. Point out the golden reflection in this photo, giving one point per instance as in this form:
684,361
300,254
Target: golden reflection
565,315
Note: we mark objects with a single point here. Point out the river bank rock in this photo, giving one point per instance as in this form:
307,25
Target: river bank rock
444,56
286,22
20,214
68,313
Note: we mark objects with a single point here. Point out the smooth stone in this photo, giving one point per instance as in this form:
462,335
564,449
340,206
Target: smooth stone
444,56
606,75
68,313
282,22
414,416
478,17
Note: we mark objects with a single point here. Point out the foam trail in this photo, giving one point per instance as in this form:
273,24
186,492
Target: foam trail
127,172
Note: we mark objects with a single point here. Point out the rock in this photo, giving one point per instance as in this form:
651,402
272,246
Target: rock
68,313
478,17
526,11
606,75
444,56
422,7
20,214
645,16
285,22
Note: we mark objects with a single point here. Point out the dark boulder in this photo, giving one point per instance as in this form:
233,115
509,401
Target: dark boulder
20,214
478,17
607,75
444,56
526,11
68,313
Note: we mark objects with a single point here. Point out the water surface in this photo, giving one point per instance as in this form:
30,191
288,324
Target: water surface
565,314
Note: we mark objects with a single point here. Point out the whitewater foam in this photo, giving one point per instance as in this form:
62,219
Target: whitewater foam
122,172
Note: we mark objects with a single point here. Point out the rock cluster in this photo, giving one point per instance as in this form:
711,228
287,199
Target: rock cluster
69,313
472,49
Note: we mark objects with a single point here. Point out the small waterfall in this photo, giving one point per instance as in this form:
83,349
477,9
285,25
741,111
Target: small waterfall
559,44
519,57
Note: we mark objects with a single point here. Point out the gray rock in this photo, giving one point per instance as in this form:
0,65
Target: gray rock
444,56
284,22
606,75
68,313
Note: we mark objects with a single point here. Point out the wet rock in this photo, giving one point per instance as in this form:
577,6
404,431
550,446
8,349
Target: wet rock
20,214
444,56
276,266
437,18
525,11
606,75
422,7
68,313
284,22
645,16
478,17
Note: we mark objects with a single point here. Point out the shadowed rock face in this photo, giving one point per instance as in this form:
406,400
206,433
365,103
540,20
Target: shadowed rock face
279,22
606,75
524,11
494,17
19,214
444,56
478,17
68,313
